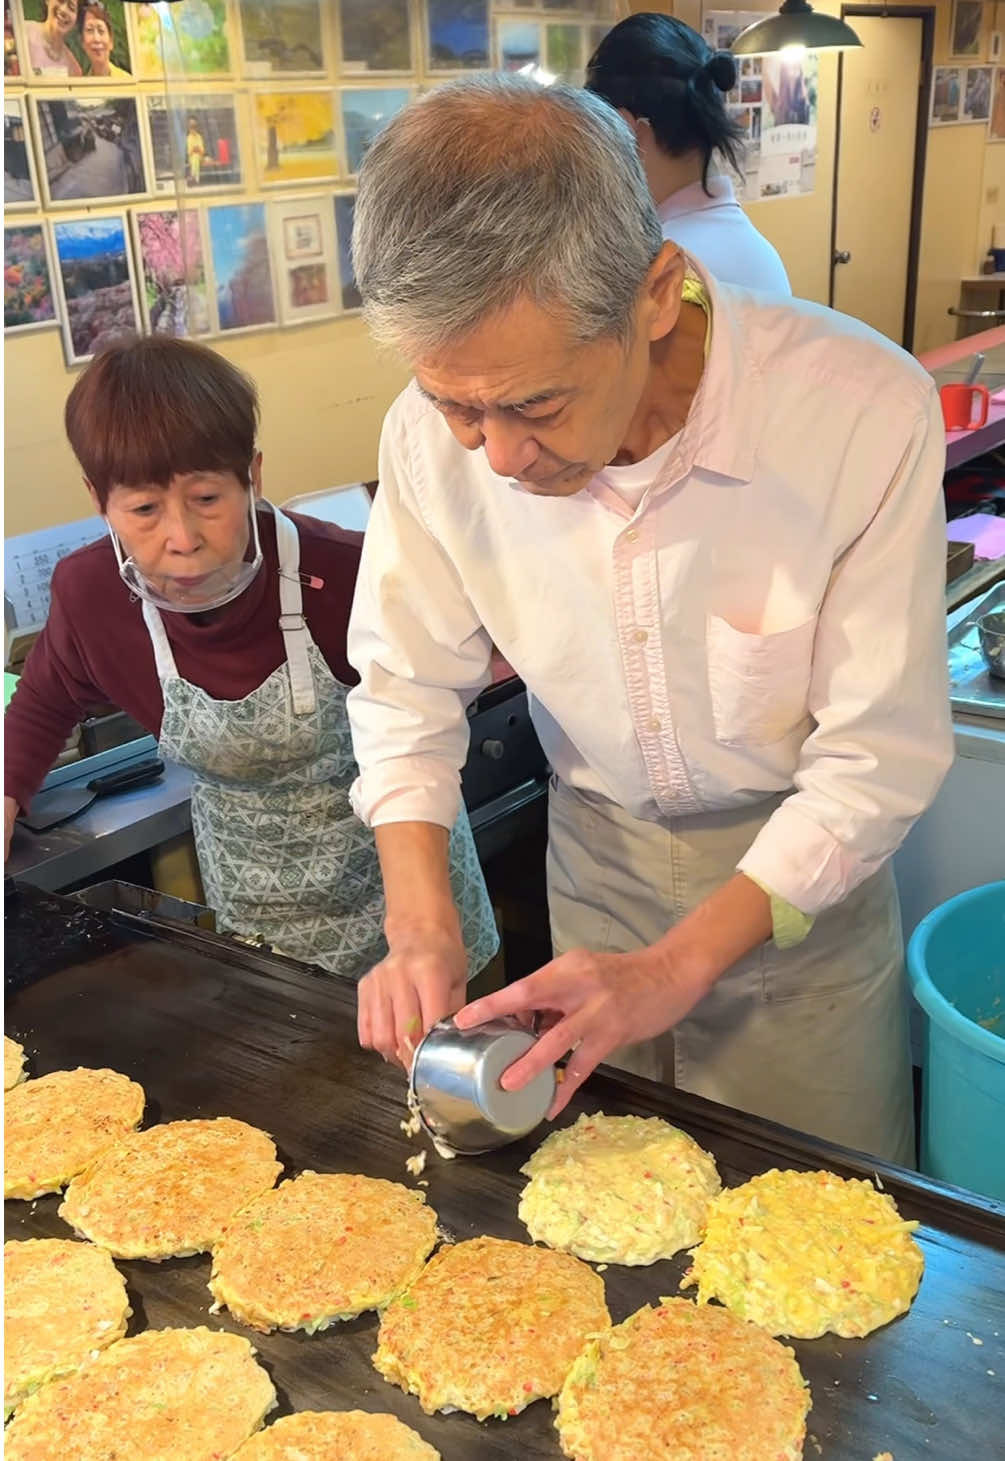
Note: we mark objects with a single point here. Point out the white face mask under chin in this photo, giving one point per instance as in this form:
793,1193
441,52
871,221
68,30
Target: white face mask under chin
218,588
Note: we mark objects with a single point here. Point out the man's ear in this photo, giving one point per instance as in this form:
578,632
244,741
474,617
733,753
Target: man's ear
663,288
255,474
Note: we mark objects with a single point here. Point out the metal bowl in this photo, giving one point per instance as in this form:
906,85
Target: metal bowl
991,633
455,1085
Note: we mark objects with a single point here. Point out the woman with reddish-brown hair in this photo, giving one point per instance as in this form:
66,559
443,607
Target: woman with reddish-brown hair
219,623
97,41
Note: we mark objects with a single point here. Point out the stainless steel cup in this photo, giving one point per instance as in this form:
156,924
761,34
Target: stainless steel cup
455,1085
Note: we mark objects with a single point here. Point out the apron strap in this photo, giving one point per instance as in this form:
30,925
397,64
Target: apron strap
163,655
291,616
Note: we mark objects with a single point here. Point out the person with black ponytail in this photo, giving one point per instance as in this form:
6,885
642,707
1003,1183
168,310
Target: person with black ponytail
669,86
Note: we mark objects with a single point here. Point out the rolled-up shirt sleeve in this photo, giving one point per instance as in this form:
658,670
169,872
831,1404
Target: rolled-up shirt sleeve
879,695
420,651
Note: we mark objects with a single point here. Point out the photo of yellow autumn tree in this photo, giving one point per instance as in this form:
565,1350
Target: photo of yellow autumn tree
295,136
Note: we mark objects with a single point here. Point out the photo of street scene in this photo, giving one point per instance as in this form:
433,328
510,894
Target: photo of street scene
90,147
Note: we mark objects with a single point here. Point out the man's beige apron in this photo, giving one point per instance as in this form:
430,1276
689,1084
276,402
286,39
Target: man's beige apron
815,1037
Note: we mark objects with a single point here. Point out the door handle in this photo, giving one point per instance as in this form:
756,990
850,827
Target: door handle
841,256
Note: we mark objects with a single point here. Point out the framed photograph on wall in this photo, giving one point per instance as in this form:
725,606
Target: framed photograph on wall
996,118
303,235
364,112
284,39
241,265
20,186
519,45
91,148
191,41
294,136
171,255
965,28
977,94
12,67
29,302
947,95
345,209
563,52
457,35
375,36
194,141
74,40
94,282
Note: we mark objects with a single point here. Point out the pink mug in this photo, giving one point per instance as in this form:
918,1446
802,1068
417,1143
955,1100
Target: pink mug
962,404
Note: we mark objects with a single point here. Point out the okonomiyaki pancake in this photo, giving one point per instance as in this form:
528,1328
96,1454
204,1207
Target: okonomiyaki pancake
337,1435
679,1383
169,1191
56,1125
13,1063
490,1326
165,1395
62,1301
618,1189
807,1253
319,1248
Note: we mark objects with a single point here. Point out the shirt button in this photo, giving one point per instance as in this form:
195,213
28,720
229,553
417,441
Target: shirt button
632,535
654,724
640,636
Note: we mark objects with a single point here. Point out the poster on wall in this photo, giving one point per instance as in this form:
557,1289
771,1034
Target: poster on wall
75,40
519,45
28,300
94,280
242,266
364,113
965,30
721,27
947,95
190,40
563,52
20,189
282,39
977,94
996,120
91,148
345,209
11,58
173,293
774,103
294,136
457,35
375,35
194,142
303,245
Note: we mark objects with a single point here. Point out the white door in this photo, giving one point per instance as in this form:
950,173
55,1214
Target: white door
879,109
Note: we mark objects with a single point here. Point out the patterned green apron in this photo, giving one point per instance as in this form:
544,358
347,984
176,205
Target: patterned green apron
282,855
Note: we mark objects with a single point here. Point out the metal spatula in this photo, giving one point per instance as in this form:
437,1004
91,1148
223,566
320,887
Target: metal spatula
63,802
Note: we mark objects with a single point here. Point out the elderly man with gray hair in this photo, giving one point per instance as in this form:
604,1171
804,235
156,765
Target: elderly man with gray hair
705,526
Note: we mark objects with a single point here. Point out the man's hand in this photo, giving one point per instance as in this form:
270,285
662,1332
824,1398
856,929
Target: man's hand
10,811
593,1003
422,979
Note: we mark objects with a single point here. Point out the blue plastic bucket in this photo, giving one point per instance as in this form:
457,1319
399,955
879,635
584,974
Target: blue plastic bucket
956,964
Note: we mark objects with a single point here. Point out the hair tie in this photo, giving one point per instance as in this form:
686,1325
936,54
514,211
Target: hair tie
720,68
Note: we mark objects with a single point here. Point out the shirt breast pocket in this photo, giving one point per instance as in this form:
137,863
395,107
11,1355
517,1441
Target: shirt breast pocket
758,682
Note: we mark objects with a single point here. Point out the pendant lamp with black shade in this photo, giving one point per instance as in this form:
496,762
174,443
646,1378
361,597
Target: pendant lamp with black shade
796,24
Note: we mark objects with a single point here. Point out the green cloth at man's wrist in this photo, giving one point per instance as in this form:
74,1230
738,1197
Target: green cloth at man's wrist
789,925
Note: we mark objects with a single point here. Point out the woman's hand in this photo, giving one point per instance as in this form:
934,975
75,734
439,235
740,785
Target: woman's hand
422,979
10,811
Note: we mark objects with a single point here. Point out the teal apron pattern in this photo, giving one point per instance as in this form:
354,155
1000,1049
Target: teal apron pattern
282,855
